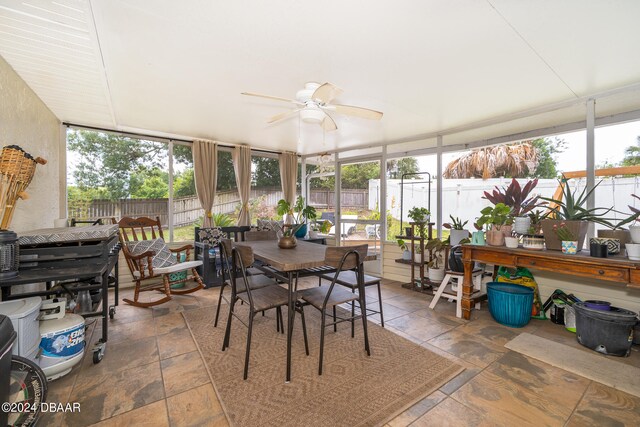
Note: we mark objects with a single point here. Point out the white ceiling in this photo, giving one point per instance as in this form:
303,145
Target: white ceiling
177,67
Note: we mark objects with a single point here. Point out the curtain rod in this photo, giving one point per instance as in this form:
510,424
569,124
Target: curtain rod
164,138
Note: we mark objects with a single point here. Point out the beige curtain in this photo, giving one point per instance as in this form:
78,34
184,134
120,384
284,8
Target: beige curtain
242,166
205,166
289,176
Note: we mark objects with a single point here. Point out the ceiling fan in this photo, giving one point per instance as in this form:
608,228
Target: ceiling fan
314,104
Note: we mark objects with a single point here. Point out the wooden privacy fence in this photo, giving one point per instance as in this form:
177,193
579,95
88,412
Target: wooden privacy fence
186,210
349,199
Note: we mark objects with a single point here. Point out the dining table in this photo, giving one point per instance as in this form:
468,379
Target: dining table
289,262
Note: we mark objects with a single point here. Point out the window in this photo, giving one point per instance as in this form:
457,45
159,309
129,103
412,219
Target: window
112,175
615,147
266,188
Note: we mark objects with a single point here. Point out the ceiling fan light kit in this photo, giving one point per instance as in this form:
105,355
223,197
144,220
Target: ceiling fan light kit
312,114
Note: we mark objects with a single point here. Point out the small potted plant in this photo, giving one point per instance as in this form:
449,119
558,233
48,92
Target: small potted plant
436,248
517,198
495,217
457,231
533,239
567,237
406,252
419,215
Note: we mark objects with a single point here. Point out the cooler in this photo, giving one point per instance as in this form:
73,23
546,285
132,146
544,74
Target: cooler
24,317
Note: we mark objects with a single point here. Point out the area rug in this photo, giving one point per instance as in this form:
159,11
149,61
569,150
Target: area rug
591,365
354,390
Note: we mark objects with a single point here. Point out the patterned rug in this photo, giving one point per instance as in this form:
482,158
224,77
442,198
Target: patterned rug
354,389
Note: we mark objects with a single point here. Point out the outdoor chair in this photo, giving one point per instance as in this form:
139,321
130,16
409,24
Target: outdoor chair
235,233
228,272
343,258
153,265
258,300
206,242
253,236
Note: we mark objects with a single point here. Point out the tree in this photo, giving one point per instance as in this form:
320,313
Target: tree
632,155
109,161
184,184
547,150
226,175
266,173
397,168
154,184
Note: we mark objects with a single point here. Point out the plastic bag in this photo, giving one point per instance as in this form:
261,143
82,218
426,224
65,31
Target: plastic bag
522,276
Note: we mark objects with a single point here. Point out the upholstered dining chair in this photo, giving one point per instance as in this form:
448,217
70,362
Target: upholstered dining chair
258,300
326,297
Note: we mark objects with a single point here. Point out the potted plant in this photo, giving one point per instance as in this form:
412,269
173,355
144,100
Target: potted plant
572,211
618,232
436,248
420,216
517,198
457,231
287,233
406,252
298,213
567,238
533,238
496,218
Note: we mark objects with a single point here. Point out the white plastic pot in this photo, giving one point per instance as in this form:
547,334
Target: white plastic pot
635,233
633,250
457,235
436,274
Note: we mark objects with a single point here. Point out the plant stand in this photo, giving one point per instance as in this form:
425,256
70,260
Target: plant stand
418,281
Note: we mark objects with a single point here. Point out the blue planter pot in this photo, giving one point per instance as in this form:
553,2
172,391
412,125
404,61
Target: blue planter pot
302,232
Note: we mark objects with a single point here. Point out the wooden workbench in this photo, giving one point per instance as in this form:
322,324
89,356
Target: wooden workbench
617,269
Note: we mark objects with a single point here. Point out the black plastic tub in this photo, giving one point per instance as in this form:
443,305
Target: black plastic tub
607,332
7,338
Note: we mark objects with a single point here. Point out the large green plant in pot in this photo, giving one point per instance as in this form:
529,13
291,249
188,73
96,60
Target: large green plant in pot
572,210
299,213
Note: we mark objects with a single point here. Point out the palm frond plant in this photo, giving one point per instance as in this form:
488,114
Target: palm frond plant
515,160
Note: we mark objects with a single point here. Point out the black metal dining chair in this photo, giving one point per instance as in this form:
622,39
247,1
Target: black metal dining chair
258,300
253,281
329,296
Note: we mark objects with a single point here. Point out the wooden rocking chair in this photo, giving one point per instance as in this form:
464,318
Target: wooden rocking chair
153,265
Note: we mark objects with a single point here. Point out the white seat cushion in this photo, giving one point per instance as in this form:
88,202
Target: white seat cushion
181,266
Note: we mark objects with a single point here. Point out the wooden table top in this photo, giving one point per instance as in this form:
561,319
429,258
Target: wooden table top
304,255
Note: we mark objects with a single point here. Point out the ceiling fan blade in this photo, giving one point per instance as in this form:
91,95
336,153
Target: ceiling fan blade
328,124
364,113
283,115
275,98
326,93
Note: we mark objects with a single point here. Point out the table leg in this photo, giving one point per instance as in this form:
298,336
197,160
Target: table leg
467,289
290,324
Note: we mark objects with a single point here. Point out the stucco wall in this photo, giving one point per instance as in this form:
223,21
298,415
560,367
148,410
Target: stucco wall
27,122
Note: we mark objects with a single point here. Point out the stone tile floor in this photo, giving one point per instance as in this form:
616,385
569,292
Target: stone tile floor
153,375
